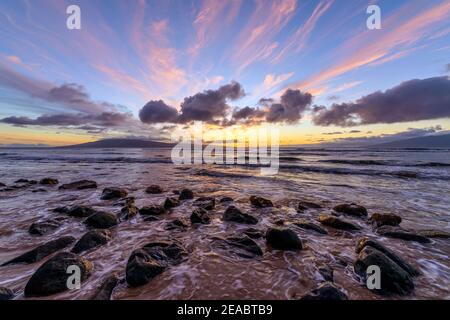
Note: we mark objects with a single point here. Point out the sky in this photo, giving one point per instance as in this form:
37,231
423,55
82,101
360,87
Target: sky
143,68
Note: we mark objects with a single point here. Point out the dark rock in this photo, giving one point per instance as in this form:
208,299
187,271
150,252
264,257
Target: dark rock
399,233
114,193
279,222
179,223
52,276
326,272
79,185
125,202
283,239
39,190
337,223
304,224
49,181
364,242
186,194
171,203
101,220
154,189
92,239
2,184
394,280
260,202
253,233
6,294
325,291
151,218
246,244
176,192
234,214
226,199
76,211
42,251
128,212
146,263
106,289
351,209
435,234
43,227
30,182
200,215
379,220
152,210
207,203
304,205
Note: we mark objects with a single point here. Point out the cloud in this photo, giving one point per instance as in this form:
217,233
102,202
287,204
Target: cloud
271,80
291,107
412,100
157,112
447,67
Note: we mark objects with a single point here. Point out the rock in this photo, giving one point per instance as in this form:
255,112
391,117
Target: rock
106,289
394,280
151,218
186,194
283,239
79,185
76,211
125,202
304,224
146,263
325,291
304,205
260,202
207,203
246,244
399,233
435,234
43,227
235,215
6,294
52,276
128,212
114,193
49,181
326,272
39,190
253,233
101,220
30,182
91,239
364,242
226,199
171,203
154,189
337,223
42,251
379,220
351,209
2,184
200,215
152,210
179,223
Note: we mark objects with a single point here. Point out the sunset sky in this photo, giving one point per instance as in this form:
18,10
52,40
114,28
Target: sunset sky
142,68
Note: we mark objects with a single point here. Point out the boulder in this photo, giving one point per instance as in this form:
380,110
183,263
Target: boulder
305,205
49,181
101,220
249,246
235,215
42,251
379,220
125,202
6,294
207,203
260,202
179,223
364,242
146,263
351,209
394,280
326,272
106,289
154,189
113,193
26,181
76,211
435,234
2,184
399,233
152,210
304,224
337,223
91,239
79,185
283,239
170,203
128,212
52,276
186,194
226,199
201,216
325,291
42,227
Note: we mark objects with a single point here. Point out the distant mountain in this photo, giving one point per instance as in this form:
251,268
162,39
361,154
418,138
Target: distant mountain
427,142
122,143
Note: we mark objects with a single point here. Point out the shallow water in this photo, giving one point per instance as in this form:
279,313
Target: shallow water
414,184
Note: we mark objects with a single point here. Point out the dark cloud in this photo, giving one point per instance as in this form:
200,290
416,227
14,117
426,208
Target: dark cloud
247,113
157,112
332,133
354,131
290,108
412,100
